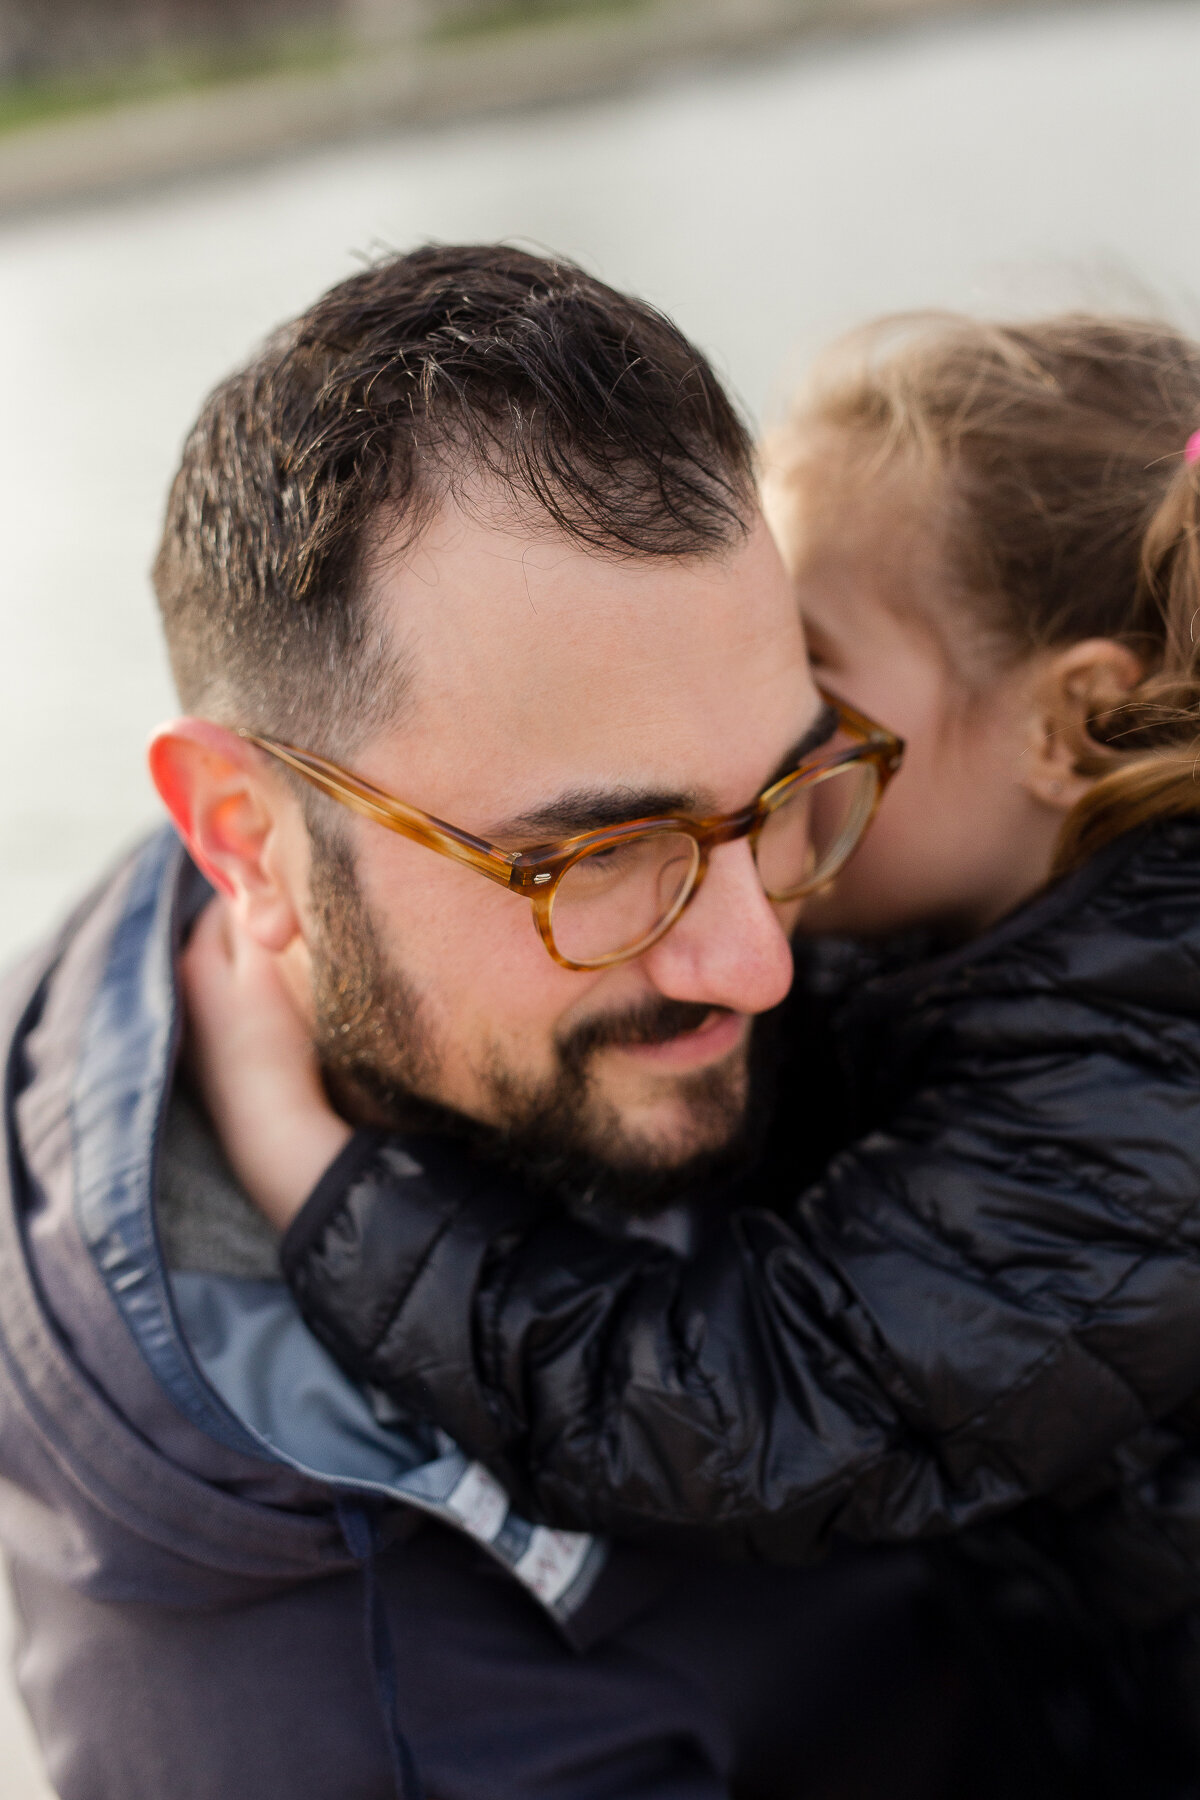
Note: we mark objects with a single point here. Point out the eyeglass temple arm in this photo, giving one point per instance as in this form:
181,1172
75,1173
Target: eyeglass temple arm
372,803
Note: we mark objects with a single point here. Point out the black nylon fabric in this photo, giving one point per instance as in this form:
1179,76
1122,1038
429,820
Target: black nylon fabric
980,1322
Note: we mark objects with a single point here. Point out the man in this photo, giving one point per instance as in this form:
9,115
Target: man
483,532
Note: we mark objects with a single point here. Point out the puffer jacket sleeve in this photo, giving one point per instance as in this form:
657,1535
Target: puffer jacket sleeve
977,1304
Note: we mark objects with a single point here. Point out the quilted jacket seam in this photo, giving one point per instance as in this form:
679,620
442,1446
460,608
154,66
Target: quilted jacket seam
420,1268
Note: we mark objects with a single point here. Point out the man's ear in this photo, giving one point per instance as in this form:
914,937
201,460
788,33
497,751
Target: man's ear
241,825
1075,685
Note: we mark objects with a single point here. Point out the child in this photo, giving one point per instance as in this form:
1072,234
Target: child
987,1304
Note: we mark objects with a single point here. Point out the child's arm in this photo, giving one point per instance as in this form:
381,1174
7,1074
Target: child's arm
971,1308
949,1326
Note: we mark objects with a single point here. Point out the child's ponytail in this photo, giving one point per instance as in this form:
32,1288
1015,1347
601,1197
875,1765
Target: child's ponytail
1148,747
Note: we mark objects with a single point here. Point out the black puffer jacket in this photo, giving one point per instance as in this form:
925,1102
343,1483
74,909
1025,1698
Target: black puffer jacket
987,1305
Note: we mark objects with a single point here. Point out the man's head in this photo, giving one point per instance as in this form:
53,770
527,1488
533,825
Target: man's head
486,530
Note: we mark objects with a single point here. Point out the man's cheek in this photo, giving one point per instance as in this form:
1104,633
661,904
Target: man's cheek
489,1054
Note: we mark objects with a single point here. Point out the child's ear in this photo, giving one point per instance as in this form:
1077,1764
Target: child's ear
1074,686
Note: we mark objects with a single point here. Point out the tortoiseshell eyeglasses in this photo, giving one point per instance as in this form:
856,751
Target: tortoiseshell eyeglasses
605,896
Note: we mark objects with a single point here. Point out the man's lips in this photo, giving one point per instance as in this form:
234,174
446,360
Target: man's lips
719,1034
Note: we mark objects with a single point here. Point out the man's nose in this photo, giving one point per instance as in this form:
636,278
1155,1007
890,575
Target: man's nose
728,948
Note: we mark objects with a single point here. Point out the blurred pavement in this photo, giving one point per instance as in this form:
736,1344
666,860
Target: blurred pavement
1016,163
21,1776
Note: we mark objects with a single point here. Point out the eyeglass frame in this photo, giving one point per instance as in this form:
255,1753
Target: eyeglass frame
536,873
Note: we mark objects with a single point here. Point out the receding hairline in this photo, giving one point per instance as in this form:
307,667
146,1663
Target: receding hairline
603,421
479,500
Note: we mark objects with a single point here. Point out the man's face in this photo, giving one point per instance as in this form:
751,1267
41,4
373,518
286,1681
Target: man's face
550,689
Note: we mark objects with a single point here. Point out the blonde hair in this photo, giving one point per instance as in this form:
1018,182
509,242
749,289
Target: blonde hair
1053,452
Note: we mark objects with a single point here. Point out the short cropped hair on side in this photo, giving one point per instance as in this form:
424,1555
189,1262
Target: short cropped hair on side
414,380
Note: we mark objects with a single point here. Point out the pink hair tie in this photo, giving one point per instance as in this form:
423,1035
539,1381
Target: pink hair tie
1191,450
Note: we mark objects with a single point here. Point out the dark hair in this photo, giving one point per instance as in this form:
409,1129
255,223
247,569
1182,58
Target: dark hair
1052,454
589,410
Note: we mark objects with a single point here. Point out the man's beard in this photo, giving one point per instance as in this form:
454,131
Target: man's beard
559,1133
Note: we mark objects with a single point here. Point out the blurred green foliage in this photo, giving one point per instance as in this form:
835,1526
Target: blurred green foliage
213,59
508,15
30,99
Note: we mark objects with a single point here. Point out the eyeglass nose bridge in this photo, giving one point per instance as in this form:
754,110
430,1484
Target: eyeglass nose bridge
708,837
727,831
713,836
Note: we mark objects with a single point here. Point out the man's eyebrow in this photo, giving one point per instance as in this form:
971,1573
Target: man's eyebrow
591,809
819,732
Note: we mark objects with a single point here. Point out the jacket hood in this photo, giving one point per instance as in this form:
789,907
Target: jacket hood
123,1474
143,1423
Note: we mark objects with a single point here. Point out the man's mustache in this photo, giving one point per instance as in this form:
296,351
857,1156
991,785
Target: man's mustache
653,1022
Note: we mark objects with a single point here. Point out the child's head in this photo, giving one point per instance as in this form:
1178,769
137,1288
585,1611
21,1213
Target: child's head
995,538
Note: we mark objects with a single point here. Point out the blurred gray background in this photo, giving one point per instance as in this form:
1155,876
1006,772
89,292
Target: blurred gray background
175,179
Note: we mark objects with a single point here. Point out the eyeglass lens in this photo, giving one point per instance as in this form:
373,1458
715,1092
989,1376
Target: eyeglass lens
619,897
804,842
616,898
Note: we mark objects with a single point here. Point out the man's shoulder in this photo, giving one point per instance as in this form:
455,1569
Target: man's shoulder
83,933
55,1000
